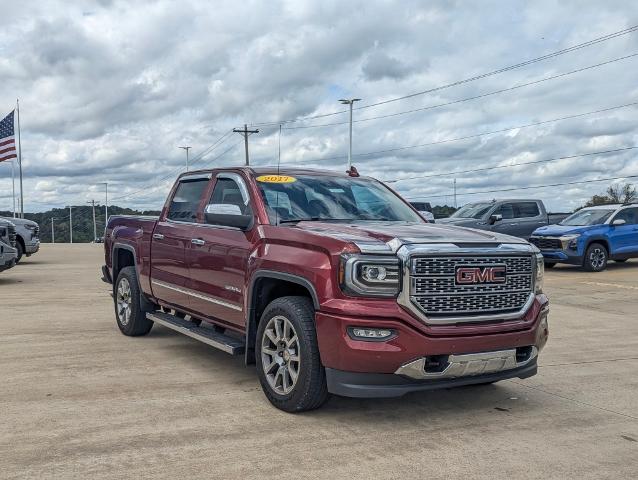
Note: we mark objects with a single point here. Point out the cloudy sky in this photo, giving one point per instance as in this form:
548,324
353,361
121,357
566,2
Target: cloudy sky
108,92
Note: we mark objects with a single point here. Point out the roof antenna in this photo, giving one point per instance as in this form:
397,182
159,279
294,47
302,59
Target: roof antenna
352,172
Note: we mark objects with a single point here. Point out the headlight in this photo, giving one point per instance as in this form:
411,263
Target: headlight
369,276
569,241
540,273
30,227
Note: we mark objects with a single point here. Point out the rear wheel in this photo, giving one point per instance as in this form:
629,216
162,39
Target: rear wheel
288,363
595,258
131,320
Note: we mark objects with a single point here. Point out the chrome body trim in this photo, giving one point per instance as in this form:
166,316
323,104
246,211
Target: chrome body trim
407,252
195,294
466,365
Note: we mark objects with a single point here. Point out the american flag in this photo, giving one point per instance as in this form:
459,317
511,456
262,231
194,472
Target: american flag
7,138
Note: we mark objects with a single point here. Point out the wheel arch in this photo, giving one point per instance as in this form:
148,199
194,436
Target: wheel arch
602,240
122,256
265,286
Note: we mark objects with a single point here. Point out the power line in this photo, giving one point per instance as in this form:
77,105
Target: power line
467,137
467,99
557,53
172,174
512,165
526,188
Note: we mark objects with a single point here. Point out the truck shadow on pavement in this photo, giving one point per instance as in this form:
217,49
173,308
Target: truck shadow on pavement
230,373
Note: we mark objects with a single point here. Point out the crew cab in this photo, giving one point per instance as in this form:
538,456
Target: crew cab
512,217
591,237
330,283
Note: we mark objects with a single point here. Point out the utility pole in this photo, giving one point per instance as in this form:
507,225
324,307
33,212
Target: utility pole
244,133
53,230
350,101
71,224
106,202
455,193
187,149
92,202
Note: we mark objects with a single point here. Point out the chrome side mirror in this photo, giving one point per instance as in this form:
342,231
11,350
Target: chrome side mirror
618,222
228,215
495,218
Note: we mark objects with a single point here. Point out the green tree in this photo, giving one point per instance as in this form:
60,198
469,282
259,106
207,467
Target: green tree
615,194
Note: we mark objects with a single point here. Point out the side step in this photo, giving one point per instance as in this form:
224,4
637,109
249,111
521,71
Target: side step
226,343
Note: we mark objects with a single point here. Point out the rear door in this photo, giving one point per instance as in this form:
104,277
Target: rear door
172,237
519,218
623,239
218,256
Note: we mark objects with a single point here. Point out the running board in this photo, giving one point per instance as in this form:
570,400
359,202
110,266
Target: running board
226,343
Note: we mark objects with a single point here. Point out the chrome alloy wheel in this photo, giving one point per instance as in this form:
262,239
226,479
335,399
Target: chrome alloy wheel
597,258
123,299
280,355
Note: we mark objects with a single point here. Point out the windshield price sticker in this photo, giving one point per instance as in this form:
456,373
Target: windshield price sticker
276,179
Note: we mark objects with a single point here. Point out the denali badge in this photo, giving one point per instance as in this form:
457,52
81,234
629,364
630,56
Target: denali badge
472,275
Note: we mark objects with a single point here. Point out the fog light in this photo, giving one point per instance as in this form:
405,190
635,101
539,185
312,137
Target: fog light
371,334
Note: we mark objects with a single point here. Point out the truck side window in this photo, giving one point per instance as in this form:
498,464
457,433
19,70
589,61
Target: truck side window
506,210
629,215
227,192
184,204
526,210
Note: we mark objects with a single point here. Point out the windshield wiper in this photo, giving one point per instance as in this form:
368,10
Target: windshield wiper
317,219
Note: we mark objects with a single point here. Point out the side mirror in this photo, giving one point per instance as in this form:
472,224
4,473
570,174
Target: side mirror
618,222
227,215
495,218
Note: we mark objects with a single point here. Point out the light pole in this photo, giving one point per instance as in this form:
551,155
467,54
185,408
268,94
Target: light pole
106,202
52,229
70,224
187,149
350,102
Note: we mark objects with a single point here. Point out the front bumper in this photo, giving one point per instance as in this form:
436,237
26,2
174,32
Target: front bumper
386,385
560,256
6,265
33,247
381,368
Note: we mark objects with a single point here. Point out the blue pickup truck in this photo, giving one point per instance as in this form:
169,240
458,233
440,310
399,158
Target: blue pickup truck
590,237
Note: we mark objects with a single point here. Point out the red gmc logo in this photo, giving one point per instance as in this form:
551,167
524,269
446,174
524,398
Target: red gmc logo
473,275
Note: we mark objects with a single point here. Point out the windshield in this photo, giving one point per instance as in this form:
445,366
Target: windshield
588,217
311,197
472,210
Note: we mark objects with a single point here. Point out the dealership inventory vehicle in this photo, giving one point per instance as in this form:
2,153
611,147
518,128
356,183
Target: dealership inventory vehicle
512,217
425,209
27,236
8,252
330,283
591,237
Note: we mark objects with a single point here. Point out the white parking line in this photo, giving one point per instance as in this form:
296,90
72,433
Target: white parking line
616,285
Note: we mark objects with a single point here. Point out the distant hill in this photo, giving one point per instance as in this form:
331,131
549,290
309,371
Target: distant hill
82,221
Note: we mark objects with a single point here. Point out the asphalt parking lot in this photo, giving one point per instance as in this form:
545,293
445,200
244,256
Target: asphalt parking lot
80,400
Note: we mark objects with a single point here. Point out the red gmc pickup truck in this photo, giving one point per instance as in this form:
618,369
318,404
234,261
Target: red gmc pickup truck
330,283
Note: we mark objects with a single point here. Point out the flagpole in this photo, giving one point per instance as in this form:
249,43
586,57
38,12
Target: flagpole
20,161
13,186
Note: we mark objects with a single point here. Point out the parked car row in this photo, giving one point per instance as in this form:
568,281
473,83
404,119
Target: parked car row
589,237
18,237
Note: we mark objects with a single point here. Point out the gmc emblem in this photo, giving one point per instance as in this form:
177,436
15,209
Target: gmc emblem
474,275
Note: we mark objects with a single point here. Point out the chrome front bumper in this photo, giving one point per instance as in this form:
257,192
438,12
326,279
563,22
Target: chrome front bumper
467,365
31,248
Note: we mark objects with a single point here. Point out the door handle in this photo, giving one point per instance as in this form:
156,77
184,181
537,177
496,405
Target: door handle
158,236
197,241
513,224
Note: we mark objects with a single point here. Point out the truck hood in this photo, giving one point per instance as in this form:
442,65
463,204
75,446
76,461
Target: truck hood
389,236
458,221
19,221
558,230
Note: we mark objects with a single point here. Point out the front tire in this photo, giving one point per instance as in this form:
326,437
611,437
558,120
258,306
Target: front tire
596,258
20,250
131,319
288,364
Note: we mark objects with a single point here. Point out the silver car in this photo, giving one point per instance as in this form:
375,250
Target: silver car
27,236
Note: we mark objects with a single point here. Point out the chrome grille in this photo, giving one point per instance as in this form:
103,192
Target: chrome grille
12,234
434,291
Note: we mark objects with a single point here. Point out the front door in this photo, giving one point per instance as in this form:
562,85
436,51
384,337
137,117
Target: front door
171,239
623,239
520,219
218,256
